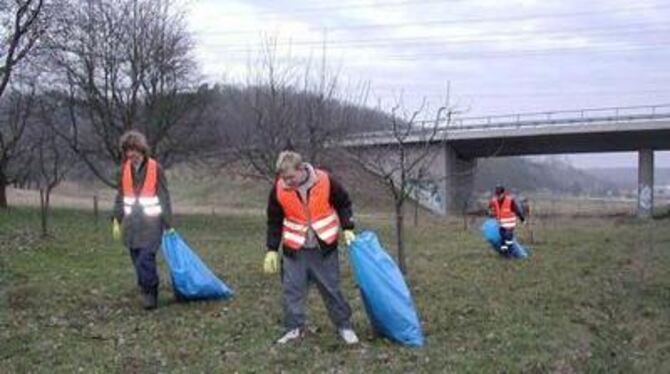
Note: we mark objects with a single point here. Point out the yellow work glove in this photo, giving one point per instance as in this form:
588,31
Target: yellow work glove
271,262
116,230
349,237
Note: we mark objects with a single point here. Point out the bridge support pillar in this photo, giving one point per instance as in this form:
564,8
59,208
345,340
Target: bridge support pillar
458,182
645,183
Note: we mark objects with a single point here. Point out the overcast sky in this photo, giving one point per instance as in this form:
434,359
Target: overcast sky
497,56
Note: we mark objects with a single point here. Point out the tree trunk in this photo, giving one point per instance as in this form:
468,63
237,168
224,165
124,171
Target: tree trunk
3,196
416,212
95,208
43,211
399,229
45,198
3,192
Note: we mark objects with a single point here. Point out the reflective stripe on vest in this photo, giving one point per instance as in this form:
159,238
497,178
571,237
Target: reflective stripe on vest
148,198
316,213
503,212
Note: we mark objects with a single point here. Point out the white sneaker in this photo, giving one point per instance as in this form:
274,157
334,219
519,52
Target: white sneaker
290,336
349,336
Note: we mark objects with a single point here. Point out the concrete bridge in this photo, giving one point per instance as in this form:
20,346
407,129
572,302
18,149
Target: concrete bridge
458,144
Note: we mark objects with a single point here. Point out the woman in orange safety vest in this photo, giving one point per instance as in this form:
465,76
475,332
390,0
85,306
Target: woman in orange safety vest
142,207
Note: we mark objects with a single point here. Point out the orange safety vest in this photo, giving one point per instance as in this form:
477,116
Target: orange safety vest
148,197
317,213
503,212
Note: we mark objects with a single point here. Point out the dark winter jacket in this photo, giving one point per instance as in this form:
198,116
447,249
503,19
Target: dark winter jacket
339,199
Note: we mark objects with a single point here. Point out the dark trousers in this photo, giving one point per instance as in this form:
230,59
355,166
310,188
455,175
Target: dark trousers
304,267
144,261
507,236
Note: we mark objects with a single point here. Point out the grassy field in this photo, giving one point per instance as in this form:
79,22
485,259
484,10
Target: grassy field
593,297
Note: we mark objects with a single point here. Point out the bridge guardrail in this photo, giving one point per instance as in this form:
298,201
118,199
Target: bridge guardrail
611,115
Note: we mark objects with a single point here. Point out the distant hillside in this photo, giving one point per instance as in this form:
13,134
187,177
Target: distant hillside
626,178
527,175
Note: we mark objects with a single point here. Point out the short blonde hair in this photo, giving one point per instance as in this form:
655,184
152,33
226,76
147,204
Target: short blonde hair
288,160
134,140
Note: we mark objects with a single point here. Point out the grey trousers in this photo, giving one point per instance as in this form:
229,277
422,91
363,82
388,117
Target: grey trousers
298,271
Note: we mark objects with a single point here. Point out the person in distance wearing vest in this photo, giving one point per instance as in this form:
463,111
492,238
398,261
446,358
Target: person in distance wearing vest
142,206
505,210
305,212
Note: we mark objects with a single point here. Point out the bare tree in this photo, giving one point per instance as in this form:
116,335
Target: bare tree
268,125
327,112
54,158
402,159
286,105
15,113
22,24
127,64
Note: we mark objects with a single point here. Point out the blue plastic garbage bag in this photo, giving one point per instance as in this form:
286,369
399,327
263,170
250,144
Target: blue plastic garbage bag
491,232
385,295
191,278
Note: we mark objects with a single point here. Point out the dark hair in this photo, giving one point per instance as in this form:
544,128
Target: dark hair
134,140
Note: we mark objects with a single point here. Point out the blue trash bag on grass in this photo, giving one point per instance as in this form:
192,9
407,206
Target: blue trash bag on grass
385,295
491,232
191,278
